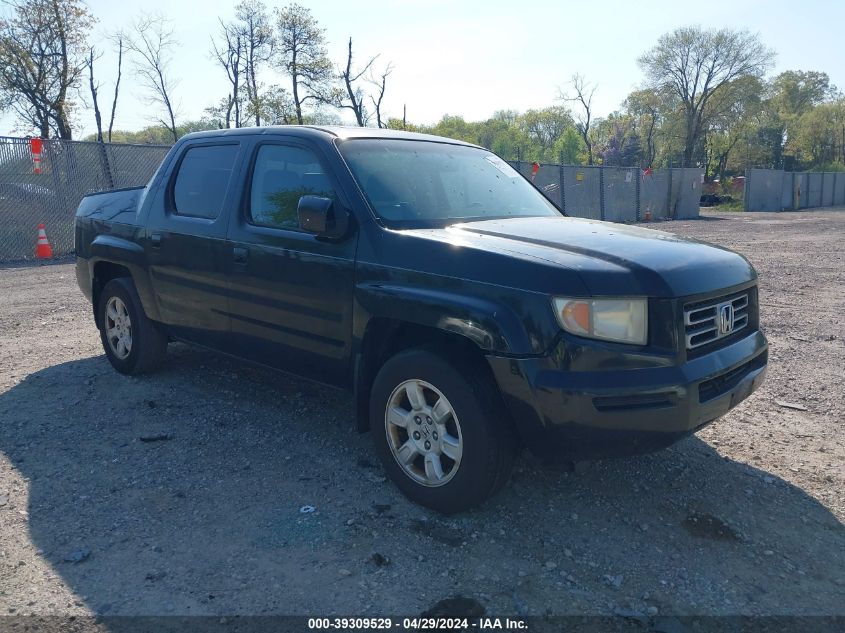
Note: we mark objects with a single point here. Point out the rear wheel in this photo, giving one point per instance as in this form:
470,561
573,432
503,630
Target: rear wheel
133,344
438,431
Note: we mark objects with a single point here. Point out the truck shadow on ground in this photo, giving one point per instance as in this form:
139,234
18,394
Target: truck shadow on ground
217,488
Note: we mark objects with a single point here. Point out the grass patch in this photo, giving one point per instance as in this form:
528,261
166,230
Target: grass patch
736,206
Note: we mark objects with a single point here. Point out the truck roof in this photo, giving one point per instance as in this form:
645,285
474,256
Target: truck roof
326,132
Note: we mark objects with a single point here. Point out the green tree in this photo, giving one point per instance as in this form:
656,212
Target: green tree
454,127
618,142
646,106
160,134
791,96
276,106
820,134
301,51
700,67
795,92
253,27
544,128
43,51
731,120
568,148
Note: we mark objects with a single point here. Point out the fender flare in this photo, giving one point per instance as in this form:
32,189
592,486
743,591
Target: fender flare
130,255
493,327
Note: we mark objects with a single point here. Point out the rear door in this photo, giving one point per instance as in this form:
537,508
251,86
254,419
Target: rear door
186,240
291,293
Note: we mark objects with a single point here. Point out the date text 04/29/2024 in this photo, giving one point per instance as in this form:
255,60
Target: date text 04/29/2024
418,624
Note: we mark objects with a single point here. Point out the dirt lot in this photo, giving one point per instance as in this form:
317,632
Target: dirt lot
745,518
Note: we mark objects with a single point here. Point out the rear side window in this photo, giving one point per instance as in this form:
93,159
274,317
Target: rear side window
203,180
282,175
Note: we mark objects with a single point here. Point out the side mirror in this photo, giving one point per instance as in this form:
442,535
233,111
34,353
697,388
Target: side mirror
322,217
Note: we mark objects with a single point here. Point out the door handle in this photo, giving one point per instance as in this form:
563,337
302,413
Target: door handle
239,255
155,240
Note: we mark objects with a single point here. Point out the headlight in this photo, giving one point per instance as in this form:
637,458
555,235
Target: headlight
620,320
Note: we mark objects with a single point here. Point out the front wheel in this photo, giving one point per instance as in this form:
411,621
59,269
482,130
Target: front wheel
438,431
133,344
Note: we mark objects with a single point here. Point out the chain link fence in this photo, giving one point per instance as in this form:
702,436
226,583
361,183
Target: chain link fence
619,189
582,191
72,169
685,198
654,194
775,190
619,194
69,171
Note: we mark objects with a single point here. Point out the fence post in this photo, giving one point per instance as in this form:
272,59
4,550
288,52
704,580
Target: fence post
669,192
561,183
745,189
639,181
601,192
55,175
104,164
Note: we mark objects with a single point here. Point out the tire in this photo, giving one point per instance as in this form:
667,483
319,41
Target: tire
133,344
472,469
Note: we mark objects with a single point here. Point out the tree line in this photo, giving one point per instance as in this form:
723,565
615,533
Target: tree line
47,68
706,98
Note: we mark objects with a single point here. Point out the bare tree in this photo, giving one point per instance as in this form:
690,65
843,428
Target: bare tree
699,66
380,84
152,41
42,58
229,53
119,39
354,93
256,34
301,50
94,88
582,94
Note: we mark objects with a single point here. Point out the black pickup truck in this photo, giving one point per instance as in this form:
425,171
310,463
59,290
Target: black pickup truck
465,313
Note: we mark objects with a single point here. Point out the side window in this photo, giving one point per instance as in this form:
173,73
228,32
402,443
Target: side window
203,179
282,175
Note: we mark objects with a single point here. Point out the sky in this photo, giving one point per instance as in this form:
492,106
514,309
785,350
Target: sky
472,58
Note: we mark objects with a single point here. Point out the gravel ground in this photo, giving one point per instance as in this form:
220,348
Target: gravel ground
182,492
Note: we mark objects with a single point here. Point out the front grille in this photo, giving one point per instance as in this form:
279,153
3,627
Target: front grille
723,383
709,321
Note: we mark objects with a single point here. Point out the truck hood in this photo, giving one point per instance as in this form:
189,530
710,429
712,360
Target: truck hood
611,259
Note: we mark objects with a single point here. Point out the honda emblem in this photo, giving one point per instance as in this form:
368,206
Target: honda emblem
726,318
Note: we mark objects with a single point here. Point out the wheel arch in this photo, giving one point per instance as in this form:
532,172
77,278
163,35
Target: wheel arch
385,337
103,272
113,257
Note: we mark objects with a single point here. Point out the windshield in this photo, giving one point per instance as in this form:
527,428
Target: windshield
414,184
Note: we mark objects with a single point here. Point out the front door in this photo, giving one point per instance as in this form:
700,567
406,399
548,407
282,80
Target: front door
291,292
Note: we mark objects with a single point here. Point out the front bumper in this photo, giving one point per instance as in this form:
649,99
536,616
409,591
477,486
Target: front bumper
607,413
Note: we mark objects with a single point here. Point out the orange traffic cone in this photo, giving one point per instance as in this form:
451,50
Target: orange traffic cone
43,250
